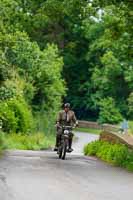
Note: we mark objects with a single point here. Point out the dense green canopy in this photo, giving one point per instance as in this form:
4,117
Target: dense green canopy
48,46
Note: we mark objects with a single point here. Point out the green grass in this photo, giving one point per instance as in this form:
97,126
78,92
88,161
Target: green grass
115,154
36,141
2,142
89,130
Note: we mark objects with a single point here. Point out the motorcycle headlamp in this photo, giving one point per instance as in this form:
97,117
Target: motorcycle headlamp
66,132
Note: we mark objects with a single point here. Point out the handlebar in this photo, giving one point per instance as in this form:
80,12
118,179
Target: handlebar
66,127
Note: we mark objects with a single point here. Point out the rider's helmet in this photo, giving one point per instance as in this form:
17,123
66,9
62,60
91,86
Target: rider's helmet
67,105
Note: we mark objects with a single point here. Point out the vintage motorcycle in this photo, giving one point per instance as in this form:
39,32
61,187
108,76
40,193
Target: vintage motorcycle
64,142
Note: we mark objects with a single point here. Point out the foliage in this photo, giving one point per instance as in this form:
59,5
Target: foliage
108,112
23,115
15,116
109,42
2,142
92,148
7,116
6,93
87,44
36,141
116,154
130,105
4,68
35,84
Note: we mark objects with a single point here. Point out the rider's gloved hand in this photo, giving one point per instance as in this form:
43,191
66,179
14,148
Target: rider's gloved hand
57,124
76,124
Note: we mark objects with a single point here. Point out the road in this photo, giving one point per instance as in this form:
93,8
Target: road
38,175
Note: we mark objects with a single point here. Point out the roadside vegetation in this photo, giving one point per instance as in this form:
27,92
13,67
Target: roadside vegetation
36,141
31,84
115,154
2,143
53,51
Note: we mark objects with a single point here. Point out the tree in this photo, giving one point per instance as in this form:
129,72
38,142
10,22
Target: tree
109,55
130,105
87,43
108,112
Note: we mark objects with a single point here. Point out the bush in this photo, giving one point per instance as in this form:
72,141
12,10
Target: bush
45,122
108,112
2,142
6,93
130,105
23,115
7,116
92,148
117,154
15,116
36,141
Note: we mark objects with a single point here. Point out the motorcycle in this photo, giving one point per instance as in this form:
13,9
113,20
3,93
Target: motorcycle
64,142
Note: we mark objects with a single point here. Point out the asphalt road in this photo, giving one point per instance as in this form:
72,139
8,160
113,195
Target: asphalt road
28,175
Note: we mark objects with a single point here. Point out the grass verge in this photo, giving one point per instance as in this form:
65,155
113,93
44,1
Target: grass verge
2,142
116,154
89,130
36,141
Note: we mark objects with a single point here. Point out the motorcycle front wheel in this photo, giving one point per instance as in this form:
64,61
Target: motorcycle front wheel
60,152
64,150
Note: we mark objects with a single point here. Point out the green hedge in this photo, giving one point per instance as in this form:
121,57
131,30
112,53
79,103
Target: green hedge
116,154
15,116
2,142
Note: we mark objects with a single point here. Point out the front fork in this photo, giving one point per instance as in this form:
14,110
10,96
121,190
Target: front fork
65,140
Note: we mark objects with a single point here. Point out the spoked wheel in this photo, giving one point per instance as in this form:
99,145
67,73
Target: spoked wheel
64,151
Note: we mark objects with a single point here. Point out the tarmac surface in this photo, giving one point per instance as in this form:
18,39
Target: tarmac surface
40,175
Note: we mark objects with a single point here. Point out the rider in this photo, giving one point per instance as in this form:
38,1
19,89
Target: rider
65,117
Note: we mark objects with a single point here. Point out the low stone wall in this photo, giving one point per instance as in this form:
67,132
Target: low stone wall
88,124
109,133
111,128
115,138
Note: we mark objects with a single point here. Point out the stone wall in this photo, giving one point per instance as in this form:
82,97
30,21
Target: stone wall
88,124
109,133
115,138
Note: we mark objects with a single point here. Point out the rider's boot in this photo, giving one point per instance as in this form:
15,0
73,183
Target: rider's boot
70,145
57,143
